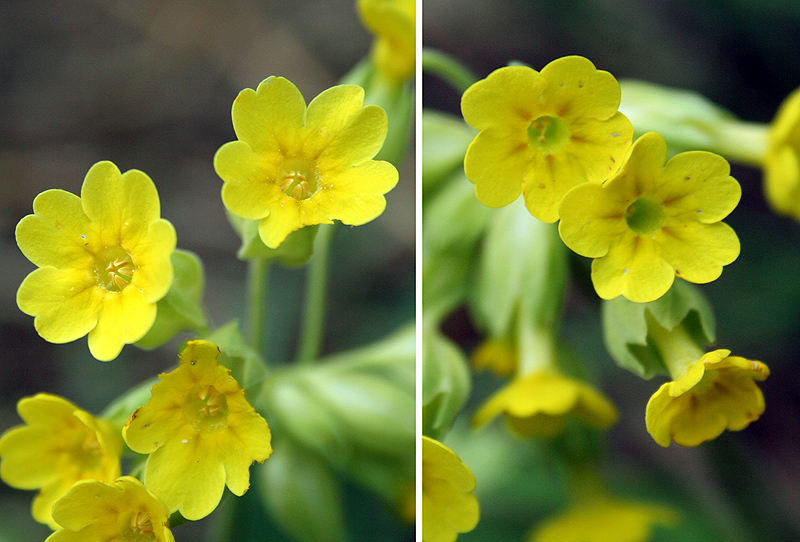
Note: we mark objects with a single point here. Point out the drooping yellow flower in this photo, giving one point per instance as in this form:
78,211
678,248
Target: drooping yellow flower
716,393
542,133
538,404
122,511
782,159
652,221
393,22
604,519
200,432
497,355
59,446
448,505
294,166
103,258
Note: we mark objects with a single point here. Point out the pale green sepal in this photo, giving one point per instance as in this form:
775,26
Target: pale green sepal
625,326
295,251
445,139
445,382
453,218
182,308
246,365
302,494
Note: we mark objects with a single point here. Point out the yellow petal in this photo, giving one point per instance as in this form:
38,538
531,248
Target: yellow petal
154,272
281,221
358,141
698,251
496,162
782,180
330,113
633,268
249,190
591,219
508,97
576,89
270,117
125,318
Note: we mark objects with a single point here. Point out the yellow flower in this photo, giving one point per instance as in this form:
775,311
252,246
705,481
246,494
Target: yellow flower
295,167
498,355
200,432
448,505
537,404
542,133
393,22
652,221
716,393
602,519
59,446
103,258
782,159
122,511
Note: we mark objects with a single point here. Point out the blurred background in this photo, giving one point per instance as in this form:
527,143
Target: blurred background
743,55
148,84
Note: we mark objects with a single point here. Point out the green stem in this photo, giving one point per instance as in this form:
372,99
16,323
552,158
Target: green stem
742,142
257,274
448,68
677,348
316,291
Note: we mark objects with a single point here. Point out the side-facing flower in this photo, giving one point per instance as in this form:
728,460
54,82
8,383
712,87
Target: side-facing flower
542,133
59,445
538,404
497,355
200,432
294,166
652,221
122,511
448,505
782,159
103,258
393,22
716,393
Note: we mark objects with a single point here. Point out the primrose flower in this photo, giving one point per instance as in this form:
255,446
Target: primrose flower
294,166
652,221
497,355
103,258
59,446
782,159
200,432
448,505
538,404
393,22
717,392
542,133
121,511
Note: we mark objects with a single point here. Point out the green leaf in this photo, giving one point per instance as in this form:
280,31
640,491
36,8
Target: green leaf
302,494
625,326
181,309
445,139
120,410
445,382
245,364
295,250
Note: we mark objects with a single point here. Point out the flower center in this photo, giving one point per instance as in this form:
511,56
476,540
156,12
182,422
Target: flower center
207,409
141,527
114,269
298,178
644,216
548,134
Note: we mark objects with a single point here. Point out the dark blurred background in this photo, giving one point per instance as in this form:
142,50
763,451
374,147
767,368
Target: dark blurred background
744,56
148,84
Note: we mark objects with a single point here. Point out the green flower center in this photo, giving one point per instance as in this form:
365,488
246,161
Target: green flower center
141,528
114,269
298,178
644,216
548,134
206,409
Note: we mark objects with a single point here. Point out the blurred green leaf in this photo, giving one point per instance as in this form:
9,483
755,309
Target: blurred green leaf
245,364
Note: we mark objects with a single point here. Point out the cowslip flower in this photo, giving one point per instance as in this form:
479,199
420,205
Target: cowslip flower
103,260
59,445
497,355
716,393
538,404
393,22
448,505
200,432
651,221
781,161
542,133
294,166
122,511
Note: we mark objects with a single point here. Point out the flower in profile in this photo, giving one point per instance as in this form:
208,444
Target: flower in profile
716,393
200,432
542,133
782,159
652,221
497,355
538,404
448,505
103,259
121,511
294,166
59,445
393,22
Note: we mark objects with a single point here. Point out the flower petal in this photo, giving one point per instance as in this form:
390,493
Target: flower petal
282,220
271,117
698,251
634,269
508,97
591,219
125,318
496,162
330,113
576,89
358,141
249,189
